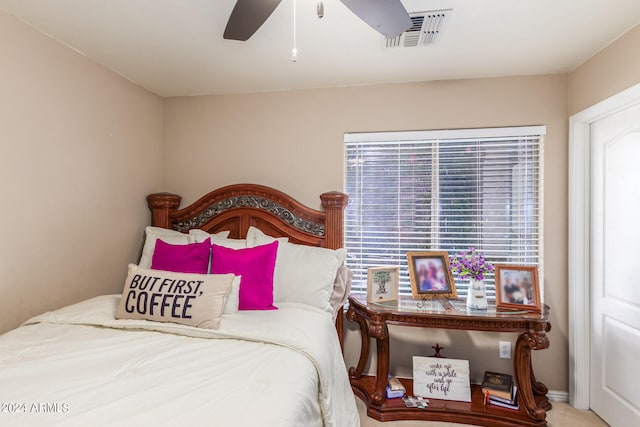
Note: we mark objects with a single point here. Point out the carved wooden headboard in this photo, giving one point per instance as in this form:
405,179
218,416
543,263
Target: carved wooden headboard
236,207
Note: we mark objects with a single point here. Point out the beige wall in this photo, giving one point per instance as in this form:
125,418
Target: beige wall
79,149
294,141
612,70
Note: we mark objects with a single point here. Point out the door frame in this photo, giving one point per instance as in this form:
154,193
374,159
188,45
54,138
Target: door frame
580,238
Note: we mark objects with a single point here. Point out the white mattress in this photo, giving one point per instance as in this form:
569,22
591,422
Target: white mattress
80,366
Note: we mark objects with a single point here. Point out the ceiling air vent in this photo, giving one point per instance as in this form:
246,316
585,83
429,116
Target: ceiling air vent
425,29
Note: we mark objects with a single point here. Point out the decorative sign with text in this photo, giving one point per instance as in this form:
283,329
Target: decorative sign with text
440,378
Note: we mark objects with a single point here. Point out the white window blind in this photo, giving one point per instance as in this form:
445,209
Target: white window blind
443,190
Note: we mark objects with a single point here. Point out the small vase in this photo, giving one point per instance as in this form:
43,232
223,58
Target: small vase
477,295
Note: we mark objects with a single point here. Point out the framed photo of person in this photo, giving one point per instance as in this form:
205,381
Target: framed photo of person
382,284
430,275
517,288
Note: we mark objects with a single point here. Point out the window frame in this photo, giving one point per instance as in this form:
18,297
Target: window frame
484,134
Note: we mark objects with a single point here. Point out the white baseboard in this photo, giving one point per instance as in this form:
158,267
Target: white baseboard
558,396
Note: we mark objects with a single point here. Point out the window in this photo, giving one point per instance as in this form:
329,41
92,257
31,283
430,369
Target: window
443,190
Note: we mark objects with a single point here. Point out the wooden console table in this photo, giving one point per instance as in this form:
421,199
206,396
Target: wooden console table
373,320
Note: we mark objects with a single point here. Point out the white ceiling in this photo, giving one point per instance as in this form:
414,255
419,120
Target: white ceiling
175,47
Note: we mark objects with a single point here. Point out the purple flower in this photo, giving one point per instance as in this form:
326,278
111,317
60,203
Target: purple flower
471,264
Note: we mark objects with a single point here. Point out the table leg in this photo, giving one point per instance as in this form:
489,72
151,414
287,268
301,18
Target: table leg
539,389
364,347
379,330
528,387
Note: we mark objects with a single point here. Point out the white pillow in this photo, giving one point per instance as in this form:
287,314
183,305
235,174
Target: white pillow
220,239
341,291
151,235
233,299
255,237
303,274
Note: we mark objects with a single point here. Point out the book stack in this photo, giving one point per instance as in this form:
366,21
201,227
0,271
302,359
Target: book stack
501,390
395,388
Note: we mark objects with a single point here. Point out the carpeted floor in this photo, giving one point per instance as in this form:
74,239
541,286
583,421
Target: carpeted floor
562,415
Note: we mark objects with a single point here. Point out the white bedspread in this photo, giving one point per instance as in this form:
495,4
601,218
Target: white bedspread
77,366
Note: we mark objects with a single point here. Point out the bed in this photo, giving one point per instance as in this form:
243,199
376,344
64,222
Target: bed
101,361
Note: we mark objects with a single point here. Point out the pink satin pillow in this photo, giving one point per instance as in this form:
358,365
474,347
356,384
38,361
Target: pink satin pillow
255,265
191,258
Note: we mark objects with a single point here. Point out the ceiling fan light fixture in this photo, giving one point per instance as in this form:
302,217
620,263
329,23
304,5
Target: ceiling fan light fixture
388,17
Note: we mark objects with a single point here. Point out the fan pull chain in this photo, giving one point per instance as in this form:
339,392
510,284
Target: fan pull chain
294,51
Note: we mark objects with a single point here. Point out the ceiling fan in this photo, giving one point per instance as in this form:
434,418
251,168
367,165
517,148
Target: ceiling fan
388,17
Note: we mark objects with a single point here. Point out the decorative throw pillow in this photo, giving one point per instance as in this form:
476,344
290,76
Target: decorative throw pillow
197,236
162,296
168,236
191,258
256,266
154,233
303,274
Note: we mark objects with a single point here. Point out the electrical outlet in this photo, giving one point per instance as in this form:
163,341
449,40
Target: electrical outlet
505,350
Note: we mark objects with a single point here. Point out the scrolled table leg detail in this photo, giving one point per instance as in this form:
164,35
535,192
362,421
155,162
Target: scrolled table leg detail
378,329
525,379
538,340
364,345
351,314
538,387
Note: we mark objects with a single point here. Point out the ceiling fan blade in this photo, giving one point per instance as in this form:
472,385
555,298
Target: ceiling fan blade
247,16
388,17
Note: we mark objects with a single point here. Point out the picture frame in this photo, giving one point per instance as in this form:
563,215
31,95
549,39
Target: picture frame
430,275
517,288
382,283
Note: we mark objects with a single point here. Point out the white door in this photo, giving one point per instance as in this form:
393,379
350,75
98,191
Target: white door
615,268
